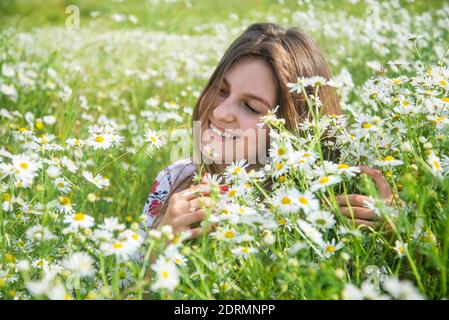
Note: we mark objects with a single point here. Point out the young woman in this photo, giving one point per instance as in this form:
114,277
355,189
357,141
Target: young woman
249,80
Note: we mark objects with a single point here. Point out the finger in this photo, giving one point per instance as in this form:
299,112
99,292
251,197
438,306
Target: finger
361,222
359,213
190,218
194,191
201,202
382,184
204,179
196,232
353,200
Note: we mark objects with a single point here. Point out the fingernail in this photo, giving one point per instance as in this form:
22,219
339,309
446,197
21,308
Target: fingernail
224,188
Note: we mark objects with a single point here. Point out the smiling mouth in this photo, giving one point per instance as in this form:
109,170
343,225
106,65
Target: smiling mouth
223,135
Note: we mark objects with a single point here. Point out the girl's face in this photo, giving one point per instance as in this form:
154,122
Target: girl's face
230,132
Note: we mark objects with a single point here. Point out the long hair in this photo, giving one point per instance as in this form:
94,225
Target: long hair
290,53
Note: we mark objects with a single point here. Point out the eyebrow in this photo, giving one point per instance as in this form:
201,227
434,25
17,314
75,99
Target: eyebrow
250,95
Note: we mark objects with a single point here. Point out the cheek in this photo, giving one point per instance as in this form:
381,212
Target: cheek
248,122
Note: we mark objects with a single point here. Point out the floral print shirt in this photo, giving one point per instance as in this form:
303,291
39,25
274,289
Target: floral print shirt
163,184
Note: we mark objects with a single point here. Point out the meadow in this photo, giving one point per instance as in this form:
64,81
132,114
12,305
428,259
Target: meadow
90,114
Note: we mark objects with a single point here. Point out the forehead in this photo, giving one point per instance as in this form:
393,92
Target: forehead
252,76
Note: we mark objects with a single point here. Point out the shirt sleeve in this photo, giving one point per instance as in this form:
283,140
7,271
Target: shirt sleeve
158,194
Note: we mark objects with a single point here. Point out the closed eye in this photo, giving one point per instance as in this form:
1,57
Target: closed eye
223,93
249,108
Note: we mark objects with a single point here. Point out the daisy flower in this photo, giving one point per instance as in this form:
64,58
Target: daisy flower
325,181
286,200
311,232
307,202
236,171
322,219
79,220
270,118
167,276
99,181
62,185
329,248
347,170
435,164
112,224
81,264
243,251
303,159
280,151
172,255
39,233
389,161
116,247
134,239
154,138
64,204
401,289
24,167
400,248
74,142
100,141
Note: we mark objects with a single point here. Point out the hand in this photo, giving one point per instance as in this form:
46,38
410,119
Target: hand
361,214
187,207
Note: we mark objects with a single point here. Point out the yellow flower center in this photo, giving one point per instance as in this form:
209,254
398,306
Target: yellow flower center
324,180
99,139
24,165
281,179
343,166
286,200
330,249
281,151
79,216
436,164
303,200
232,192
117,245
389,158
282,222
442,83
366,125
164,274
64,201
279,166
229,234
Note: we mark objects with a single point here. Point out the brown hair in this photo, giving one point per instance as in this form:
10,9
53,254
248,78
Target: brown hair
290,53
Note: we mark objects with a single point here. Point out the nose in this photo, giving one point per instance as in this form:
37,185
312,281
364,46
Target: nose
224,111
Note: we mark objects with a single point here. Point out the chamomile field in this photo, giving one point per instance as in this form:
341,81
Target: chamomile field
96,98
